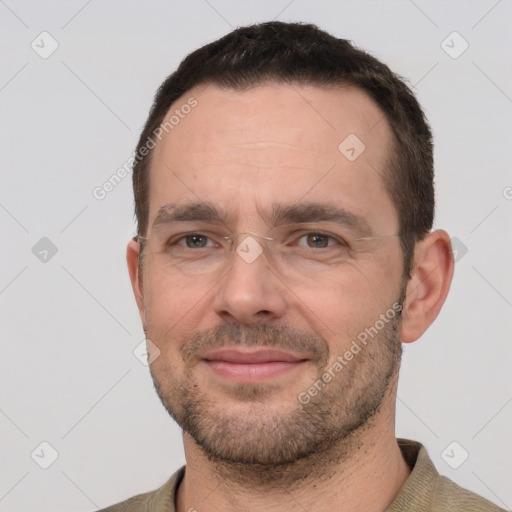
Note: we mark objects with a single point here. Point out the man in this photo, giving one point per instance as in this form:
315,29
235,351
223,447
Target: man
284,197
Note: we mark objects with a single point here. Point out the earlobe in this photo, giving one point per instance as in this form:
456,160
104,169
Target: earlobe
132,259
429,284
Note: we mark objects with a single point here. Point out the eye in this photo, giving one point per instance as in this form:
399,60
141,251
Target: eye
318,240
193,241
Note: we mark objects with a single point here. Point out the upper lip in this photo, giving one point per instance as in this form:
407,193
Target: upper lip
259,356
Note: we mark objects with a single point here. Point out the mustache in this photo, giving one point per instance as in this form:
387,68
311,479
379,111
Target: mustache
260,335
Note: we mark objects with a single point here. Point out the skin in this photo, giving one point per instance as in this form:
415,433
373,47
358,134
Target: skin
249,150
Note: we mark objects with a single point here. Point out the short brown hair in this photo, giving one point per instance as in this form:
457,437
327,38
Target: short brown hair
304,54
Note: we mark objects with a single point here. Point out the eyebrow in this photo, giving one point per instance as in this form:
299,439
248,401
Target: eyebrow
188,212
280,214
319,212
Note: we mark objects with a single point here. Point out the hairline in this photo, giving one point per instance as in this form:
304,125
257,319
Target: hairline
393,144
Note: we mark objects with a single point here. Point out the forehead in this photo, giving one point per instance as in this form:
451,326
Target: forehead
246,149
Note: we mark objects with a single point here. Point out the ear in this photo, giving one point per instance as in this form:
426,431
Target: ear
132,259
429,284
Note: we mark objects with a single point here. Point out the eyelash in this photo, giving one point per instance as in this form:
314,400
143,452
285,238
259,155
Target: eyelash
337,241
182,238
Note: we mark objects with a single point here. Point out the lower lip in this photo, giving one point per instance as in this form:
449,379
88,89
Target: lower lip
245,372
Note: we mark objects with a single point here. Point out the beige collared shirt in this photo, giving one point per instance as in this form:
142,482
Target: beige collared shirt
424,490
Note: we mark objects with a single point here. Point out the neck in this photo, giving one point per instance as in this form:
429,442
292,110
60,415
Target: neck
365,474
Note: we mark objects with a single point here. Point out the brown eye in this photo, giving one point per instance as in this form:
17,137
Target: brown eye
194,241
317,240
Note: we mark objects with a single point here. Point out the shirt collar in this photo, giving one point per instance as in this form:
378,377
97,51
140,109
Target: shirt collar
412,496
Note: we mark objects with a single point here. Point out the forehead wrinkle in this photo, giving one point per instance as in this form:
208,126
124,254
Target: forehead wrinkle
266,144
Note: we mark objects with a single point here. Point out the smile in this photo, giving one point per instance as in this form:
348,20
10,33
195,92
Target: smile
239,366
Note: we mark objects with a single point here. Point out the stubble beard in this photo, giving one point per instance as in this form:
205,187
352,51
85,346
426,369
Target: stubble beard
263,444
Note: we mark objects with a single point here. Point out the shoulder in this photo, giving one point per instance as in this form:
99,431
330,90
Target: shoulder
139,503
427,490
159,500
447,496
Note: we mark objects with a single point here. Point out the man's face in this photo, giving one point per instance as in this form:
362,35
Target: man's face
255,162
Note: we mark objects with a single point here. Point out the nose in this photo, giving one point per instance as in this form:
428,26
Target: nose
251,290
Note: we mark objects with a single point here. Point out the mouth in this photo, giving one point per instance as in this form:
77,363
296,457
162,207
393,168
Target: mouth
252,366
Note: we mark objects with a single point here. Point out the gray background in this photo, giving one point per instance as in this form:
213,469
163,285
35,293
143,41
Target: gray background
69,322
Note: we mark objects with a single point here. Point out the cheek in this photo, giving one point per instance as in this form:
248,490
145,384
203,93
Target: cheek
172,309
352,299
